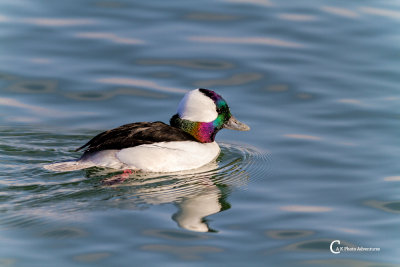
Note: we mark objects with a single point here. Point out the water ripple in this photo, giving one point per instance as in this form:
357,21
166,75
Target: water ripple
140,83
394,14
26,190
56,22
237,79
343,12
110,37
245,40
189,63
234,167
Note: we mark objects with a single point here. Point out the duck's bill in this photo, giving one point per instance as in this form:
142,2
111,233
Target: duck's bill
234,124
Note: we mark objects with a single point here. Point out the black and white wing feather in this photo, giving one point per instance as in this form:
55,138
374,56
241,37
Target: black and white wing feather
135,134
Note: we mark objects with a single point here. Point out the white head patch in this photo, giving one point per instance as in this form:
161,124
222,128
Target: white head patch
195,106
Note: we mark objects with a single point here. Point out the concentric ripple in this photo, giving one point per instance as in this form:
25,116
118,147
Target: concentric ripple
234,168
27,190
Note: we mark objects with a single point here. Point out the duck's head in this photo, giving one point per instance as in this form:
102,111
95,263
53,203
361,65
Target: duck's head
202,113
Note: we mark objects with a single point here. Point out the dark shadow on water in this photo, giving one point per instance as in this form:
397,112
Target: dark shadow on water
104,95
388,206
33,86
288,234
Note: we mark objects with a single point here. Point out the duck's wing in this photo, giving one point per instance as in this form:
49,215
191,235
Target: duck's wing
135,134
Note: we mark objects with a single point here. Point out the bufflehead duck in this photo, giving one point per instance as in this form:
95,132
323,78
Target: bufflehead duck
187,143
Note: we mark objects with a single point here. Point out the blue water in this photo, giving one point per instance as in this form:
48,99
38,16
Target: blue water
317,81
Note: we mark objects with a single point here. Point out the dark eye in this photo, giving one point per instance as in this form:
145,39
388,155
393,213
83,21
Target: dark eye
223,109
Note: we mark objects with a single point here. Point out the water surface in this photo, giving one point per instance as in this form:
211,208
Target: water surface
318,82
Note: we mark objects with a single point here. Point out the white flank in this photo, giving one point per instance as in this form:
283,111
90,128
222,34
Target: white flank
169,156
158,157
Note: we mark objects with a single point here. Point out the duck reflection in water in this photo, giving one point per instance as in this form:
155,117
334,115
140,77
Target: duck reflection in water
193,209
196,195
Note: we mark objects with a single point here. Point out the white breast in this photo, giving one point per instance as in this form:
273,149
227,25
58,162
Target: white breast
169,156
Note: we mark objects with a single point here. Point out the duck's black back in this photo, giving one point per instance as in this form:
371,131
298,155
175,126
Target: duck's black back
135,134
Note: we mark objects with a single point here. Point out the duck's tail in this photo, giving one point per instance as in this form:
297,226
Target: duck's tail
66,166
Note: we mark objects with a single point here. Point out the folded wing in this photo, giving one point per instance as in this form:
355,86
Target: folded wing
135,134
